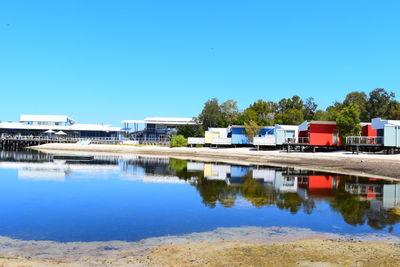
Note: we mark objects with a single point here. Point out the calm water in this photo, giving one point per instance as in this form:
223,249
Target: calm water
121,198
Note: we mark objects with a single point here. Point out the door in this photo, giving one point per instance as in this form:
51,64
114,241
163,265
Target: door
335,138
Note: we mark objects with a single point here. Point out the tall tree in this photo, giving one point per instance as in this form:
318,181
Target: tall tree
211,115
333,111
309,108
359,99
321,115
290,111
252,129
379,103
291,116
348,122
230,112
265,111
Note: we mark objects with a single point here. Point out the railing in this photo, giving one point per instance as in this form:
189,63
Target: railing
221,141
363,189
61,139
196,141
298,140
268,140
147,141
364,140
93,140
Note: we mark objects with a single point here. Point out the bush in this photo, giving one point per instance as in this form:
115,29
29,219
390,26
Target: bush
178,141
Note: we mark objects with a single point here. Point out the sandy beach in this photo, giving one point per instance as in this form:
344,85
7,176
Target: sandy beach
244,246
364,164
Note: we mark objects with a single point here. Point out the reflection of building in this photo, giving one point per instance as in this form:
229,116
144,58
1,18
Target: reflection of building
365,190
217,171
391,196
238,174
58,170
318,186
195,166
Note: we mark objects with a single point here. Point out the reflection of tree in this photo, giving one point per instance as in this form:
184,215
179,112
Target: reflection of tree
356,211
256,193
380,219
290,201
351,207
308,206
213,191
178,167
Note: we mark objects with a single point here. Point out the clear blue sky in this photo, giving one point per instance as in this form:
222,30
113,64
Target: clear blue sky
105,61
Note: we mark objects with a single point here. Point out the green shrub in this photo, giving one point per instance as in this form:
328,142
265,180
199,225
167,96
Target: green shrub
178,141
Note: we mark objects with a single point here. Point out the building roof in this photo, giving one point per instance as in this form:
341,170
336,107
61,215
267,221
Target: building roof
304,126
287,127
378,123
45,118
163,120
323,122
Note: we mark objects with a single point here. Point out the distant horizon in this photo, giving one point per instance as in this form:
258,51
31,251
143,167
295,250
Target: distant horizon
104,62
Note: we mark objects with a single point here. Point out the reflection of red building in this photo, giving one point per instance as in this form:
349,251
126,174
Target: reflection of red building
366,191
320,133
367,130
321,185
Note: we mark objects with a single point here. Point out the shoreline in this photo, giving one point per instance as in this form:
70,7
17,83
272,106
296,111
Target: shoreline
255,246
343,162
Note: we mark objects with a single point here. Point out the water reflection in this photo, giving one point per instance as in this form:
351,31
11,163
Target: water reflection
358,200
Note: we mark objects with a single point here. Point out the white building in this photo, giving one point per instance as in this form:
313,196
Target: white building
156,127
37,125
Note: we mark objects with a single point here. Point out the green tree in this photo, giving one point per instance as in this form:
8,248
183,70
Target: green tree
321,115
348,122
359,99
229,112
191,130
290,111
211,115
380,102
247,115
264,112
252,129
333,111
290,103
291,116
178,141
309,109
395,111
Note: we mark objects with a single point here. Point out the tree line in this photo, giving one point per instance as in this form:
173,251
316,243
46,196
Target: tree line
355,108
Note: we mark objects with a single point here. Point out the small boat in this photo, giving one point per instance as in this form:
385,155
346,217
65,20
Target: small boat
73,156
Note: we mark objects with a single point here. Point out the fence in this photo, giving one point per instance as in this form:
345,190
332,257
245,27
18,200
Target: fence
298,140
268,140
221,141
364,140
196,141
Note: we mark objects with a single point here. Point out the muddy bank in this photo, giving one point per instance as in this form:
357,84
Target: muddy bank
242,246
376,165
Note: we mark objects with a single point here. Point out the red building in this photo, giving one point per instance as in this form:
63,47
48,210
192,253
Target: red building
319,133
366,130
321,185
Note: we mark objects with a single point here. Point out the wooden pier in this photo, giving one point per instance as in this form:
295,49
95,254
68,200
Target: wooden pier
18,142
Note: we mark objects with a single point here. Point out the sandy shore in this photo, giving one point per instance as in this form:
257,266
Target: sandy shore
366,164
244,246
